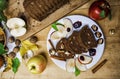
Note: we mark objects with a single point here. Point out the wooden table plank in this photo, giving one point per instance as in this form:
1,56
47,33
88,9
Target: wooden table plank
53,17
112,50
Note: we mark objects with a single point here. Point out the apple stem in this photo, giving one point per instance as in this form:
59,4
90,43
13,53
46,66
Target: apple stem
33,67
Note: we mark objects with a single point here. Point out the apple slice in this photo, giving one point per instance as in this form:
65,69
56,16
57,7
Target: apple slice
15,22
68,25
16,26
61,28
80,66
70,65
57,35
18,32
84,59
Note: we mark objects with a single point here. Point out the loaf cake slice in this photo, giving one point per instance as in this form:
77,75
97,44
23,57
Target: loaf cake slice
76,44
63,50
63,45
79,42
88,37
40,9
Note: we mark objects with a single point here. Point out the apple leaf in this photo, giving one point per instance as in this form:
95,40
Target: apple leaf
59,24
77,71
15,65
2,16
2,50
54,25
102,14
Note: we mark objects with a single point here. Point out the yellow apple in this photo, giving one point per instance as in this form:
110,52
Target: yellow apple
37,64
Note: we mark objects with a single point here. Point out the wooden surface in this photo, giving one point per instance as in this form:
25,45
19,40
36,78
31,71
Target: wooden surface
111,70
34,26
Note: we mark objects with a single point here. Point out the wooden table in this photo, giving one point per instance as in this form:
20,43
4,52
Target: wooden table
111,70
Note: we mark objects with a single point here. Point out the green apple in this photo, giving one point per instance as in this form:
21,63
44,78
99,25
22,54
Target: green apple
37,64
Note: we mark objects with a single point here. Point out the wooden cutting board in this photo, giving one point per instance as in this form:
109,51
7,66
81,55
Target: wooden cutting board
16,9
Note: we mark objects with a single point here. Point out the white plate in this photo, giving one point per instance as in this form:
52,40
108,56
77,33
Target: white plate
85,21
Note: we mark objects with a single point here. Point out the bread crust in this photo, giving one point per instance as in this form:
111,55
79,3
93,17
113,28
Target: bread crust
40,9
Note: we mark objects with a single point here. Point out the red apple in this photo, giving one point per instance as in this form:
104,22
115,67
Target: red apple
36,64
99,10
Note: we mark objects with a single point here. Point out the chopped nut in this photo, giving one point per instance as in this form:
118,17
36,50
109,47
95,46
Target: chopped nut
25,56
11,39
89,42
100,41
52,52
61,50
94,28
33,39
67,53
62,46
6,48
112,31
12,54
98,34
16,49
17,42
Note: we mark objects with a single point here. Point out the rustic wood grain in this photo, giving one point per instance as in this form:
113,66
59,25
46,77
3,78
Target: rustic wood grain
36,26
111,70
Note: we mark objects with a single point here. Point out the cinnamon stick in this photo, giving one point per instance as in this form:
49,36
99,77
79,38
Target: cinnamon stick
58,58
99,66
52,45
